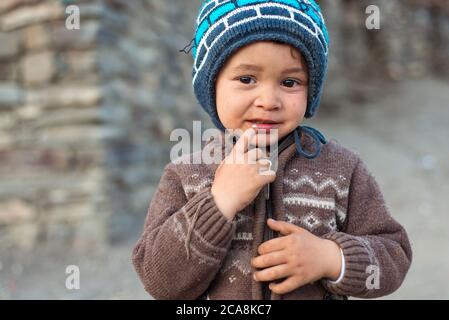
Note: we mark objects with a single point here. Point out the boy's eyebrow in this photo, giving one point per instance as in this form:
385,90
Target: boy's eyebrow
249,67
252,67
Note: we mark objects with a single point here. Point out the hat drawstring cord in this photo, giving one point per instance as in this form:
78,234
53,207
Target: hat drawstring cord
317,137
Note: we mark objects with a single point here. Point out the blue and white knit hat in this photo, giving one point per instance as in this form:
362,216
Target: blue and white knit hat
223,26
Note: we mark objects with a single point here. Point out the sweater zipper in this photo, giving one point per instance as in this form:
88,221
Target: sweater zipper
268,232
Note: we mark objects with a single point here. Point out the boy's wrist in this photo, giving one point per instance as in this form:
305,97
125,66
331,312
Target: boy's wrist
334,261
226,210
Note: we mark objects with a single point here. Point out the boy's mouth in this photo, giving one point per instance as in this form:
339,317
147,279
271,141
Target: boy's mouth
257,121
266,124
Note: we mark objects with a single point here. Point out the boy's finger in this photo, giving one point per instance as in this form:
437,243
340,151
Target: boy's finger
270,259
275,244
242,144
264,166
256,154
272,273
283,227
268,176
286,286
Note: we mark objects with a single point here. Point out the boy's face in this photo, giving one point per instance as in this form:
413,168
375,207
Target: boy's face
263,81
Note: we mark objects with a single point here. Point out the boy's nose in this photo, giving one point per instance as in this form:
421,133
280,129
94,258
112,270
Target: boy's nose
268,98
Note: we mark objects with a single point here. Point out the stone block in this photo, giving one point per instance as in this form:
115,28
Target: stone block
9,45
8,71
64,96
6,5
10,95
38,68
85,37
23,236
78,64
26,15
16,211
36,37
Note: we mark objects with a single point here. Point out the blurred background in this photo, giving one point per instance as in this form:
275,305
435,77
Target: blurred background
86,115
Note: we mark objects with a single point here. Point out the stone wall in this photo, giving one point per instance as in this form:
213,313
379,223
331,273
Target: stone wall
412,42
85,115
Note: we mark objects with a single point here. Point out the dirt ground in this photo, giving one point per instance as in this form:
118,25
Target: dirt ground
402,136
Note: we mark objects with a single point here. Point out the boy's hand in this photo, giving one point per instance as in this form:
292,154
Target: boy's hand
298,255
240,176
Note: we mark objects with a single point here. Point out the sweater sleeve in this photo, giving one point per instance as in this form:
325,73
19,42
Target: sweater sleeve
184,242
375,246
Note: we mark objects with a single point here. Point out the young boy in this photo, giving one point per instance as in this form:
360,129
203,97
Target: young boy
261,65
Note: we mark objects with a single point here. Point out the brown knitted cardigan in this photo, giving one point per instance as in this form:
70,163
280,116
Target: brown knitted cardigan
190,250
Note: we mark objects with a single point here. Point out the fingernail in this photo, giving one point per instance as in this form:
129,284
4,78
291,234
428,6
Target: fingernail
254,277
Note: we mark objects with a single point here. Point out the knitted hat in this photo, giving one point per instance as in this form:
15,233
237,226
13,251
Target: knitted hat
224,26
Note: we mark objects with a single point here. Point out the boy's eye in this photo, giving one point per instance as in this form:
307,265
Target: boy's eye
246,80
290,83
